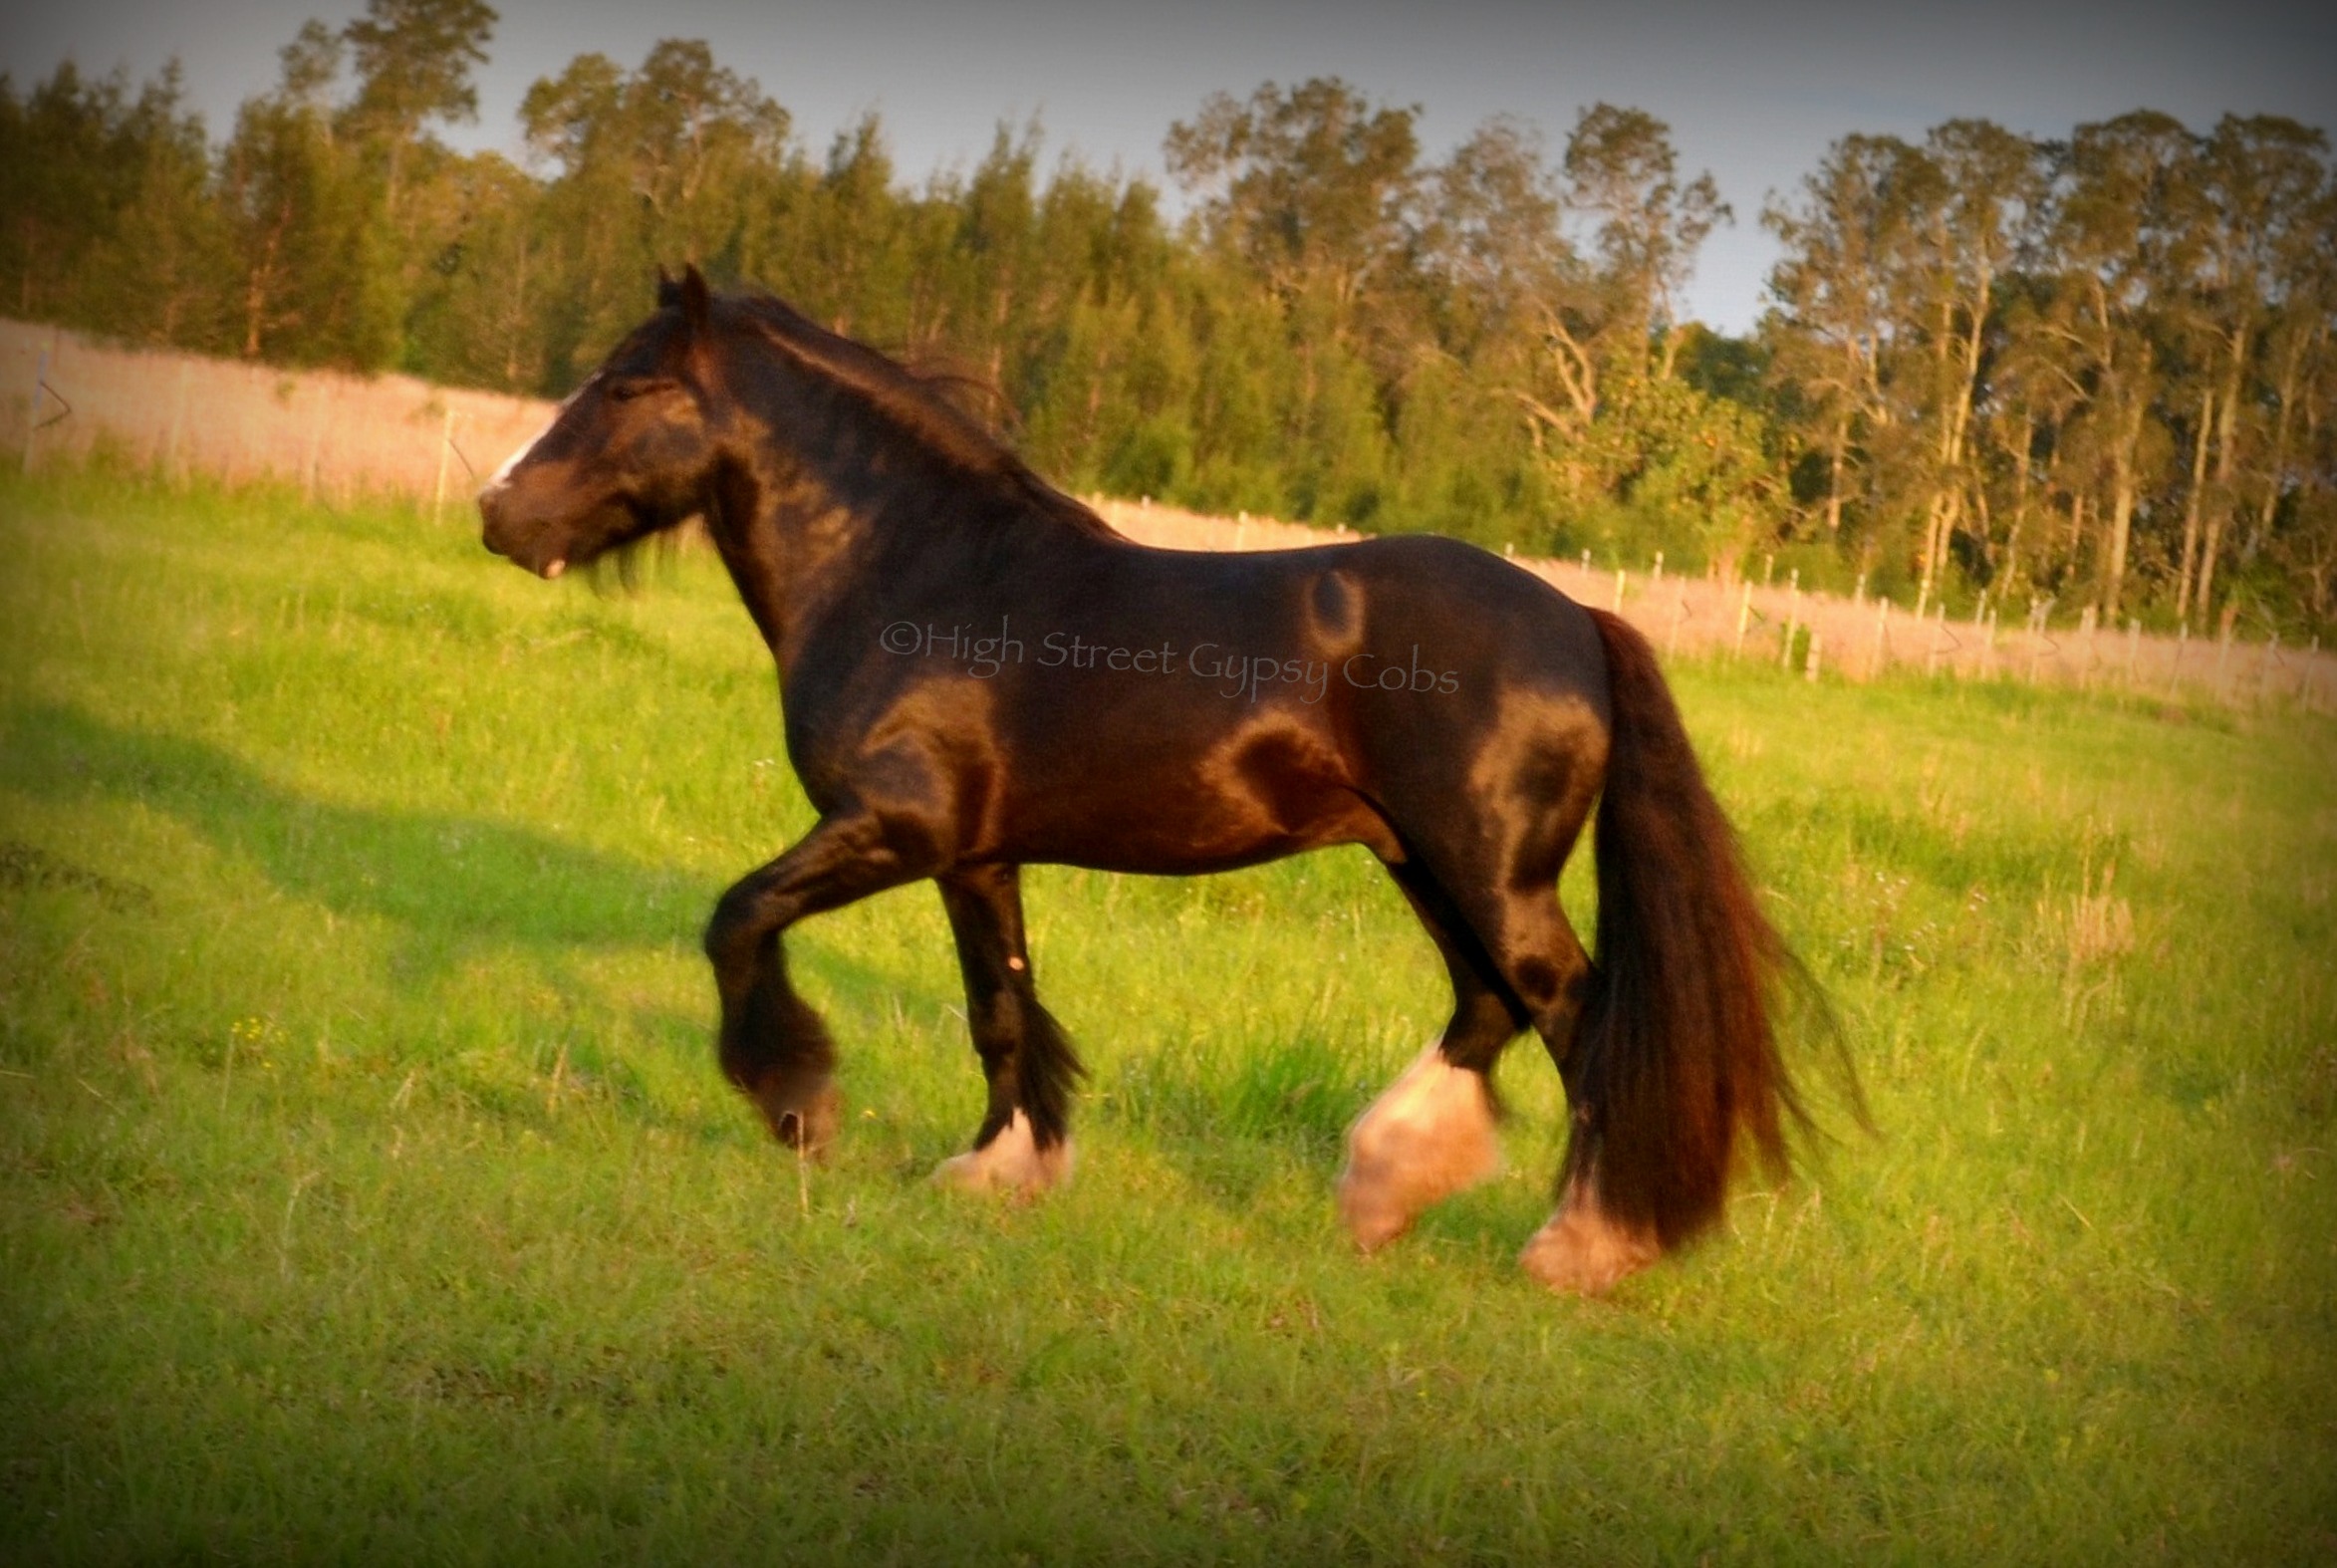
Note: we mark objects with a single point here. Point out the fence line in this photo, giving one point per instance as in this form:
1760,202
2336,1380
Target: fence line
64,397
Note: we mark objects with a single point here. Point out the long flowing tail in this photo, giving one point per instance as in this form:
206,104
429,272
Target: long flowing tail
1675,1061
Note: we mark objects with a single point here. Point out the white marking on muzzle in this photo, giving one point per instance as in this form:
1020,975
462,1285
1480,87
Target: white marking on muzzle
502,476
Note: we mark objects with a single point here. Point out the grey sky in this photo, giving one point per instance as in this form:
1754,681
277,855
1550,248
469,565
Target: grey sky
1753,92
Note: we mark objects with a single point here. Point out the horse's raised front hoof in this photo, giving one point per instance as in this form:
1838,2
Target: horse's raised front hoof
1428,1137
803,1116
1582,1252
1011,1162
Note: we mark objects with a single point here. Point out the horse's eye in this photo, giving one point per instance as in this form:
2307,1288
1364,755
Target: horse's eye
640,386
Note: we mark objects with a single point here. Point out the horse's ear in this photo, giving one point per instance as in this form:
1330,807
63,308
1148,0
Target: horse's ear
696,300
668,291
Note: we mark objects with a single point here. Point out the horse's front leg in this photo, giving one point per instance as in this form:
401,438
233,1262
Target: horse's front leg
1023,1144
773,1045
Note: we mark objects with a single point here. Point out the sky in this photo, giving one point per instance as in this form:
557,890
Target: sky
1755,92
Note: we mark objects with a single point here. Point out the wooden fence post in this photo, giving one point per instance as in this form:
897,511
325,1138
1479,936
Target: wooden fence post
1811,673
308,464
1743,619
170,473
445,445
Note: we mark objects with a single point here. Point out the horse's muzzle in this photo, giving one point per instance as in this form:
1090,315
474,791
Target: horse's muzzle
502,537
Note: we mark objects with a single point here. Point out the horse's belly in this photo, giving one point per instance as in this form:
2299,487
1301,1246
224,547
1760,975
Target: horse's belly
1273,792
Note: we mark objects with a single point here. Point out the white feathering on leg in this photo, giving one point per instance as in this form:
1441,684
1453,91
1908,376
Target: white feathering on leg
1583,1250
1012,1163
1430,1136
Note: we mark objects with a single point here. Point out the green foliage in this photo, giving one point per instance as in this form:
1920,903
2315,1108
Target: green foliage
373,1193
2097,371
2074,369
1684,469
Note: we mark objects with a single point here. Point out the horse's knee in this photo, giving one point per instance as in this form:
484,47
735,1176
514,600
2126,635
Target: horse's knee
731,933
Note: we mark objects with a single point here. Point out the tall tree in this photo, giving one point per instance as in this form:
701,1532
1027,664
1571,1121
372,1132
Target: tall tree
414,60
1982,202
1621,170
2257,198
679,159
315,255
2121,239
1312,186
1835,318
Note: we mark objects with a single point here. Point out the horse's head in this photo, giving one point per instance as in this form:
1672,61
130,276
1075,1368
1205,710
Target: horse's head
632,451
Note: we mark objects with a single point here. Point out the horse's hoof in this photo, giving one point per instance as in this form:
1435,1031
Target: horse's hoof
1582,1252
1428,1137
1011,1162
806,1121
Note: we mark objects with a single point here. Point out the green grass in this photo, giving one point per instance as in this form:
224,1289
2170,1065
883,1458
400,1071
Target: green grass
371,1193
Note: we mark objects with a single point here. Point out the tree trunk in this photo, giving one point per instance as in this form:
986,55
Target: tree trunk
1954,416
518,318
2292,371
2122,488
2213,546
2020,481
2190,510
1840,447
255,294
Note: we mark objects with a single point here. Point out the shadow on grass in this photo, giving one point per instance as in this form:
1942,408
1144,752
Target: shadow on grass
456,886
459,882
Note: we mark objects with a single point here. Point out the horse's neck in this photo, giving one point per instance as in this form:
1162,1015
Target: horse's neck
814,533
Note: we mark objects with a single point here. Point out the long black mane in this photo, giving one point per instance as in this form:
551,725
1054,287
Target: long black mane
918,406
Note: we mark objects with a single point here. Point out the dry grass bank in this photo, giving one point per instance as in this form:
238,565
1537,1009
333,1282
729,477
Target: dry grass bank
340,435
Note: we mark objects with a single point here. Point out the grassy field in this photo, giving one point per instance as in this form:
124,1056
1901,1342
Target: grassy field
371,1193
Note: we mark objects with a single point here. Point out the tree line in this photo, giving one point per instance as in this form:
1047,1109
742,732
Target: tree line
2095,371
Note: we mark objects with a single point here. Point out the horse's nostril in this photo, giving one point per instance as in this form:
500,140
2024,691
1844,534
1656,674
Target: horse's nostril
491,522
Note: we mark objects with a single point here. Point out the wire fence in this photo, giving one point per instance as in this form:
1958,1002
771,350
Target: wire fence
67,398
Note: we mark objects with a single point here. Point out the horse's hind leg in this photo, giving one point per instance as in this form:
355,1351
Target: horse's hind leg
1582,1249
1023,1144
1432,1134
773,1045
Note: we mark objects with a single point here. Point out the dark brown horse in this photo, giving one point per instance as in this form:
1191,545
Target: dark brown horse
977,673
